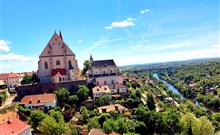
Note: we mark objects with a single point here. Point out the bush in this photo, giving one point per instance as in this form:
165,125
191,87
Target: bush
24,110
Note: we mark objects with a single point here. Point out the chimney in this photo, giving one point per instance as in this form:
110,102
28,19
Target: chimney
105,88
84,132
9,120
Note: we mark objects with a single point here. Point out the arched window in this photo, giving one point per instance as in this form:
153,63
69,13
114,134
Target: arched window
57,62
45,65
70,65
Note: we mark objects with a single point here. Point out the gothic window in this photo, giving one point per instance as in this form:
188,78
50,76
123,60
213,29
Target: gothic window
57,62
46,65
70,65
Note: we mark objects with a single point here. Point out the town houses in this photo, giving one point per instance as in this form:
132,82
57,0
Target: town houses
57,65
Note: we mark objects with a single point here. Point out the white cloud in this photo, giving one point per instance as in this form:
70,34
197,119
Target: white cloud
17,57
4,45
108,27
144,11
216,46
79,41
125,23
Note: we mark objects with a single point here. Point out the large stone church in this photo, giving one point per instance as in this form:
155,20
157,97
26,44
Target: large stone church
57,63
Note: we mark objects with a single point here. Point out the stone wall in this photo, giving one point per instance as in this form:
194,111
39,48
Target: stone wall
72,86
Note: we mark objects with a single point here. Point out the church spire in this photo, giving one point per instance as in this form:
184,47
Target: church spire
60,35
91,59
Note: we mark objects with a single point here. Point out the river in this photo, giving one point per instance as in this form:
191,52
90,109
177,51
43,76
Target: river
171,87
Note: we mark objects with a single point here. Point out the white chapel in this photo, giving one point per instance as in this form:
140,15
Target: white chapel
57,63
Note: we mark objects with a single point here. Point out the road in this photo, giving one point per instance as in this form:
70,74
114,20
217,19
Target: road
8,101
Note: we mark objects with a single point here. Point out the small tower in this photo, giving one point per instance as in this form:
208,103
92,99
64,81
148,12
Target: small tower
91,60
60,35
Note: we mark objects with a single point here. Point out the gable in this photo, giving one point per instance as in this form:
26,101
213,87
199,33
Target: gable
56,47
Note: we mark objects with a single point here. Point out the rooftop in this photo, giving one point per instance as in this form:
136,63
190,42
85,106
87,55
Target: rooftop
101,89
13,127
101,63
96,131
40,98
109,108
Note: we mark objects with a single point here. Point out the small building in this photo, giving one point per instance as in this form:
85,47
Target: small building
118,89
96,131
40,101
100,91
113,107
11,125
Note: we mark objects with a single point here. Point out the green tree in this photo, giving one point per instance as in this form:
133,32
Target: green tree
49,126
93,123
86,65
82,93
73,99
35,118
150,102
35,78
27,79
62,95
84,114
103,100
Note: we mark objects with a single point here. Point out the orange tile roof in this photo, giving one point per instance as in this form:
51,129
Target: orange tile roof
114,133
96,131
102,89
110,108
2,90
40,98
14,127
4,117
12,75
3,76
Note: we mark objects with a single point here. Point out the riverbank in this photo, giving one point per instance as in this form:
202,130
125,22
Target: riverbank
172,88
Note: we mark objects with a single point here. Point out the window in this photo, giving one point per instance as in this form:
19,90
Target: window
46,65
57,62
70,65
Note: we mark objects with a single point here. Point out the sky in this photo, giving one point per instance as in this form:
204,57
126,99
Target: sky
130,32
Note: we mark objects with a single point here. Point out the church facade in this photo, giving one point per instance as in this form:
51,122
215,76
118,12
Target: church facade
104,72
57,62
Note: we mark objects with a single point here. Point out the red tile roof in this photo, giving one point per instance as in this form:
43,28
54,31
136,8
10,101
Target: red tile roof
14,127
40,98
3,76
12,75
109,108
4,117
62,71
114,133
96,131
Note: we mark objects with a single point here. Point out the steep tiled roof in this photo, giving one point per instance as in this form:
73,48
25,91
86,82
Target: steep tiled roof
101,89
99,63
62,71
96,131
109,108
40,98
14,127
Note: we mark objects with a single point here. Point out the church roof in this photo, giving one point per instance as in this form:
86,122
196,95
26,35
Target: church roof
62,71
99,63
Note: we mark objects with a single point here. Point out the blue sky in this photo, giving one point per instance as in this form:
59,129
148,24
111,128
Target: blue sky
130,32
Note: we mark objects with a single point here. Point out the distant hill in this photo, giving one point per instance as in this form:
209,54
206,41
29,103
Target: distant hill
168,64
